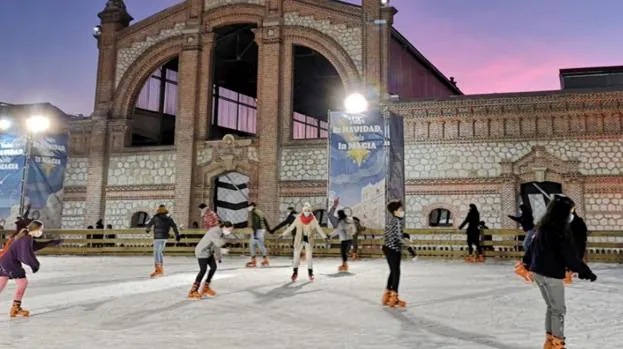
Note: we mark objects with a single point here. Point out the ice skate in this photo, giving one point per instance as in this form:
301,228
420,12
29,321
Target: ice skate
265,262
343,268
252,263
310,274
194,294
568,280
159,271
549,339
16,310
395,301
558,343
470,259
207,291
355,257
523,272
480,258
386,297
295,274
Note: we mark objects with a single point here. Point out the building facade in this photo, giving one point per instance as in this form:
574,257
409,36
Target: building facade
224,102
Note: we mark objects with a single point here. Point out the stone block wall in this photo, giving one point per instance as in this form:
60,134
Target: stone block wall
419,207
317,203
308,164
74,215
604,211
76,172
119,212
142,169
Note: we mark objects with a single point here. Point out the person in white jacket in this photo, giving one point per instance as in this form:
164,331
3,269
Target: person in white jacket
208,252
306,226
343,227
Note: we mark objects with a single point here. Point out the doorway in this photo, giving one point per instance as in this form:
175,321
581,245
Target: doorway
231,198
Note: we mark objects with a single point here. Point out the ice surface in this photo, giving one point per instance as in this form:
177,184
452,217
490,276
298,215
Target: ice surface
109,302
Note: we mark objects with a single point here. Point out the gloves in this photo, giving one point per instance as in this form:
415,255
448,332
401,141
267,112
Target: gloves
587,275
523,272
35,269
178,238
56,242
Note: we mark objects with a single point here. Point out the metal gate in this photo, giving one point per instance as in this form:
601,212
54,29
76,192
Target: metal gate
231,198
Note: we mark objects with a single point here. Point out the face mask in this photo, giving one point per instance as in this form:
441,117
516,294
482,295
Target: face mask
571,217
250,208
307,214
227,231
400,214
37,233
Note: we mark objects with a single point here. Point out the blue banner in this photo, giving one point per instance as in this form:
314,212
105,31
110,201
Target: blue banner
357,165
12,158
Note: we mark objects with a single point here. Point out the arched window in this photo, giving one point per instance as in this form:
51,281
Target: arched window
139,219
440,217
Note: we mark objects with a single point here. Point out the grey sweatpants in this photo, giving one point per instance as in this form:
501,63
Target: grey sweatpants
553,292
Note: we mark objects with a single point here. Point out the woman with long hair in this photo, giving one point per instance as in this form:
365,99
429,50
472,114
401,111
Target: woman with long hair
473,234
545,262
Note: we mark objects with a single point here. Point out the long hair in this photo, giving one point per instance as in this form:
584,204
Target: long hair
34,225
341,215
556,218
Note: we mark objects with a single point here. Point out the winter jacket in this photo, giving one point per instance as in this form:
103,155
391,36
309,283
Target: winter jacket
551,254
162,224
210,244
209,219
258,221
393,234
472,221
20,251
303,229
289,220
525,220
345,229
579,231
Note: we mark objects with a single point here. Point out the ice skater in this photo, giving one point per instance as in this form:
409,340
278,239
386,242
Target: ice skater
208,253
162,224
360,230
473,235
306,226
259,225
526,220
21,250
209,218
545,262
392,249
344,228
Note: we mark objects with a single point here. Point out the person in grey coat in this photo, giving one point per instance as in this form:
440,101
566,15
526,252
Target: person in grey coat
162,224
208,252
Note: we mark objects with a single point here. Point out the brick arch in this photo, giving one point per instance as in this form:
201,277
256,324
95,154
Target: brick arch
132,81
234,14
329,49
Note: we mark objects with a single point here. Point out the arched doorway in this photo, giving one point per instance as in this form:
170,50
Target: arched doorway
231,198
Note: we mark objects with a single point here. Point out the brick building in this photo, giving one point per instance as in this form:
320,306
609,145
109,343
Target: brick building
225,101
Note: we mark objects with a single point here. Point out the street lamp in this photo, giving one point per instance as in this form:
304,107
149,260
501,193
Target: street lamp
34,124
355,103
5,124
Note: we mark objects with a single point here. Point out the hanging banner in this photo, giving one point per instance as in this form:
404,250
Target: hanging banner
357,165
12,160
46,175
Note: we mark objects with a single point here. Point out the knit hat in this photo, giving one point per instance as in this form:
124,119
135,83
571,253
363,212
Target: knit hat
307,206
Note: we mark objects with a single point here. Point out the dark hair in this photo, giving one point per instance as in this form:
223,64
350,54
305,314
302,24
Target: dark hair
556,217
226,224
202,206
394,206
341,215
291,208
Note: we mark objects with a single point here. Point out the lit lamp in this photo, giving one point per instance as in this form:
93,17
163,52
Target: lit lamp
5,124
355,103
34,125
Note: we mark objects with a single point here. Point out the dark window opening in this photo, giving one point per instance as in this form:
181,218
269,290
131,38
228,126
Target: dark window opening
322,217
139,220
156,107
234,93
317,88
440,217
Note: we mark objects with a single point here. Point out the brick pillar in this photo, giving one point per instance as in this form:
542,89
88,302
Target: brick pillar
114,18
206,77
287,62
574,188
268,87
376,22
508,195
188,76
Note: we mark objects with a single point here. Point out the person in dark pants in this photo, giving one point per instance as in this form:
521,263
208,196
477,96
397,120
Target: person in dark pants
208,252
286,222
392,249
545,262
473,234
526,220
344,228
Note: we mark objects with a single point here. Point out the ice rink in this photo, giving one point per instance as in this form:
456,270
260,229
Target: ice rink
109,302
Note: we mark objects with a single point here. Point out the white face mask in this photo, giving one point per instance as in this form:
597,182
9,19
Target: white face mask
571,216
400,214
227,231
251,208
307,213
37,233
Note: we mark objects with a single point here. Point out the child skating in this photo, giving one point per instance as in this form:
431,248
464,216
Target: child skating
392,249
208,253
344,228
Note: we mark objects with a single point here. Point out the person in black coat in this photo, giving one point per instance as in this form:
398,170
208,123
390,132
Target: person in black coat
579,231
286,222
162,224
548,257
473,234
526,220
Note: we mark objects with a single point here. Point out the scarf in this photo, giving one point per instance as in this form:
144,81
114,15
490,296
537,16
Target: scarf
307,220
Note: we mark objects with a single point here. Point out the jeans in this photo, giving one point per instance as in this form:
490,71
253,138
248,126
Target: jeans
159,245
553,292
257,238
345,246
528,239
393,260
203,267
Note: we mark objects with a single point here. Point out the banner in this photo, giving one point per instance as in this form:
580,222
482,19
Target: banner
12,160
357,165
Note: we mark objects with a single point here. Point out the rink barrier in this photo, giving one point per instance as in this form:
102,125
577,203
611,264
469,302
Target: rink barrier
603,246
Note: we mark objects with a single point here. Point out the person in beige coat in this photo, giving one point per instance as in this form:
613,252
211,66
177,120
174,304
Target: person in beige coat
306,226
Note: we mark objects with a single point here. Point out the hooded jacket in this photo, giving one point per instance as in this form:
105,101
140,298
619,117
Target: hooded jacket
21,250
210,244
162,224
345,229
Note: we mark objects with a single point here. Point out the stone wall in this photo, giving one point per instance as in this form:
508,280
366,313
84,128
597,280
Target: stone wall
142,169
307,164
317,203
74,215
420,206
119,212
350,38
482,159
76,172
604,211
211,4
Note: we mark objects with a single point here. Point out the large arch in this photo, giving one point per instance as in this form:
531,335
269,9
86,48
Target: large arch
234,14
136,75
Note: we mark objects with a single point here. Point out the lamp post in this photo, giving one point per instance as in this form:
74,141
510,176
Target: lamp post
34,125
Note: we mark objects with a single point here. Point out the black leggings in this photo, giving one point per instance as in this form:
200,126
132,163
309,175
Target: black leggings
344,249
474,239
203,266
393,259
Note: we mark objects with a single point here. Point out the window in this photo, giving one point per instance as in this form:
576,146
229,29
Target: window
159,94
307,127
234,111
139,220
440,217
